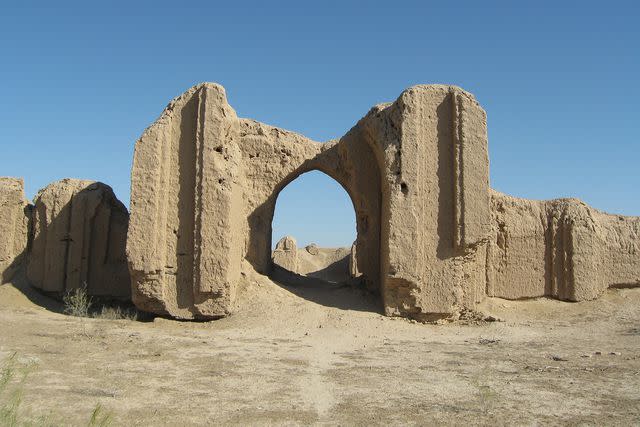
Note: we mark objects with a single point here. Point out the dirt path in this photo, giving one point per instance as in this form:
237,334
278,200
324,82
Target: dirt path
287,360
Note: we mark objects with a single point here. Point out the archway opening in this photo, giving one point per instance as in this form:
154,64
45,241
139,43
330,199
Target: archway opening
314,229
314,241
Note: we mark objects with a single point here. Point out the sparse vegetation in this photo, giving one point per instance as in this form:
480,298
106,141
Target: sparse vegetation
13,375
77,302
486,395
116,312
100,418
8,402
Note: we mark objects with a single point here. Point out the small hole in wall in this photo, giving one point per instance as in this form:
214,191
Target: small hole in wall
219,149
404,188
221,180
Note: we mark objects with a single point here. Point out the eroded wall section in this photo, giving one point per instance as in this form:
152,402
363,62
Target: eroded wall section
432,142
185,239
79,237
15,214
559,248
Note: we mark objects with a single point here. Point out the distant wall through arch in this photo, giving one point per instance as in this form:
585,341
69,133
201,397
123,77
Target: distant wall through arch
315,209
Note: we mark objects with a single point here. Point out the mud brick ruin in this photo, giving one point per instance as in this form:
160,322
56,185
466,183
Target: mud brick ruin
432,237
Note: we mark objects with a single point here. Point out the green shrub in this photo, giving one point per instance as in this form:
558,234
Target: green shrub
12,378
100,418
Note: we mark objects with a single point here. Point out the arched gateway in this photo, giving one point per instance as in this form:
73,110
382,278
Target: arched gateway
205,182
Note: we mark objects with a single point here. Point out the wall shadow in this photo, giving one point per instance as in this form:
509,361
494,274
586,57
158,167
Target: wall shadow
343,295
52,302
336,272
36,297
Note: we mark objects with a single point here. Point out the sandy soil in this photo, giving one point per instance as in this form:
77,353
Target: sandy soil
324,356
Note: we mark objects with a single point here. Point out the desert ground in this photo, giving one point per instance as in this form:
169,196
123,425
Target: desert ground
325,356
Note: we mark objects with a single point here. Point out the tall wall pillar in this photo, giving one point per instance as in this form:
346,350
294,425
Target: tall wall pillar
436,210
184,242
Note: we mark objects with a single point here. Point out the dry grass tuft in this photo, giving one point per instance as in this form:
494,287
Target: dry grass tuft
117,313
77,302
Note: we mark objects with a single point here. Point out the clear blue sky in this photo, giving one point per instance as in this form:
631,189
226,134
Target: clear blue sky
559,80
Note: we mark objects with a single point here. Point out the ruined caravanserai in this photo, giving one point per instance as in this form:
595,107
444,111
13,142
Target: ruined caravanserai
433,239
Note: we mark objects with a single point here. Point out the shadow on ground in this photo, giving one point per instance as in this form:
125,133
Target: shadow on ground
348,295
20,283
98,308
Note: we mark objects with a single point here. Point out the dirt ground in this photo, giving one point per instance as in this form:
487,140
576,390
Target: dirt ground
324,356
